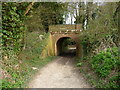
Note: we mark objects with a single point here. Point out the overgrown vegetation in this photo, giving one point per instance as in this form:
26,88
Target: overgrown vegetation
21,54
13,26
104,62
102,69
44,14
100,46
22,47
106,65
20,68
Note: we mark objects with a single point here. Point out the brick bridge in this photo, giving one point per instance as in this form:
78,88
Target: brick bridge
59,33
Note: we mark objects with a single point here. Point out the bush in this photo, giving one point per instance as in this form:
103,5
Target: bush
13,26
105,63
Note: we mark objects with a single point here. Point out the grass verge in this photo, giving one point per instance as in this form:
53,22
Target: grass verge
17,69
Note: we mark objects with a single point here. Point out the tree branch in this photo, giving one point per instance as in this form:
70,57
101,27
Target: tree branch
29,7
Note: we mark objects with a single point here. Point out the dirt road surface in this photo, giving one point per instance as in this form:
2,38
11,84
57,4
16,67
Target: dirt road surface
60,73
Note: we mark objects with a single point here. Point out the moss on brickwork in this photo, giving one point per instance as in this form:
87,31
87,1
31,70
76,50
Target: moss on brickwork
65,27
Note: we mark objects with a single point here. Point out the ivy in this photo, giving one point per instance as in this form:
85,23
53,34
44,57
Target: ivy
12,25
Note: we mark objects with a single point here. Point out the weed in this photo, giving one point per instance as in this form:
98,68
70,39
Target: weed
104,62
79,64
20,67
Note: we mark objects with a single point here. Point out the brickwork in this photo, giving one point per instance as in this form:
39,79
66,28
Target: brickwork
66,27
65,31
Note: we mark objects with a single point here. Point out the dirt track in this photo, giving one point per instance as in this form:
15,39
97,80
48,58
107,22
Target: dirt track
60,73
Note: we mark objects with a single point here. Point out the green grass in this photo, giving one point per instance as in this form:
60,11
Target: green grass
20,67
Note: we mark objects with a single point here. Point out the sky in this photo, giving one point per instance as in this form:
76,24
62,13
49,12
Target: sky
68,20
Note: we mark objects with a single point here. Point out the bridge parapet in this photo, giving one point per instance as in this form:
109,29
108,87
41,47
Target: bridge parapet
65,28
66,32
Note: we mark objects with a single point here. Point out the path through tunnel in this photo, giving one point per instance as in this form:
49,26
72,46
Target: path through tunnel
66,47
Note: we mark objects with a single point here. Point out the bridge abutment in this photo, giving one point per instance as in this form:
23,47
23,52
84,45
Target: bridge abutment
57,32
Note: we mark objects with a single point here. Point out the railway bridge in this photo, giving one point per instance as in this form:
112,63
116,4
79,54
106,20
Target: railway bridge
59,33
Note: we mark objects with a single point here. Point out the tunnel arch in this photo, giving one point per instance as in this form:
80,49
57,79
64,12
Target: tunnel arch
59,44
74,36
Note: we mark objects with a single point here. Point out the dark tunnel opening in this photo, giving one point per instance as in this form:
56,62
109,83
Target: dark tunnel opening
66,47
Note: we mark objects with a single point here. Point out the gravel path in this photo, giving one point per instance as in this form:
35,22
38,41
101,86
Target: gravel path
60,73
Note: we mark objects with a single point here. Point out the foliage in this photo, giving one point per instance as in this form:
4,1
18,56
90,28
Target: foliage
106,65
11,65
104,62
100,44
18,64
102,29
97,14
12,39
79,64
102,70
13,25
45,14
19,67
101,25
68,41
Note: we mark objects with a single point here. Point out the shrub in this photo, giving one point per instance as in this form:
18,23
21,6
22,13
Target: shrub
105,61
106,65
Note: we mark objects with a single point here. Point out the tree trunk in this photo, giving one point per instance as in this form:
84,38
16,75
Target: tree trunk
29,7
